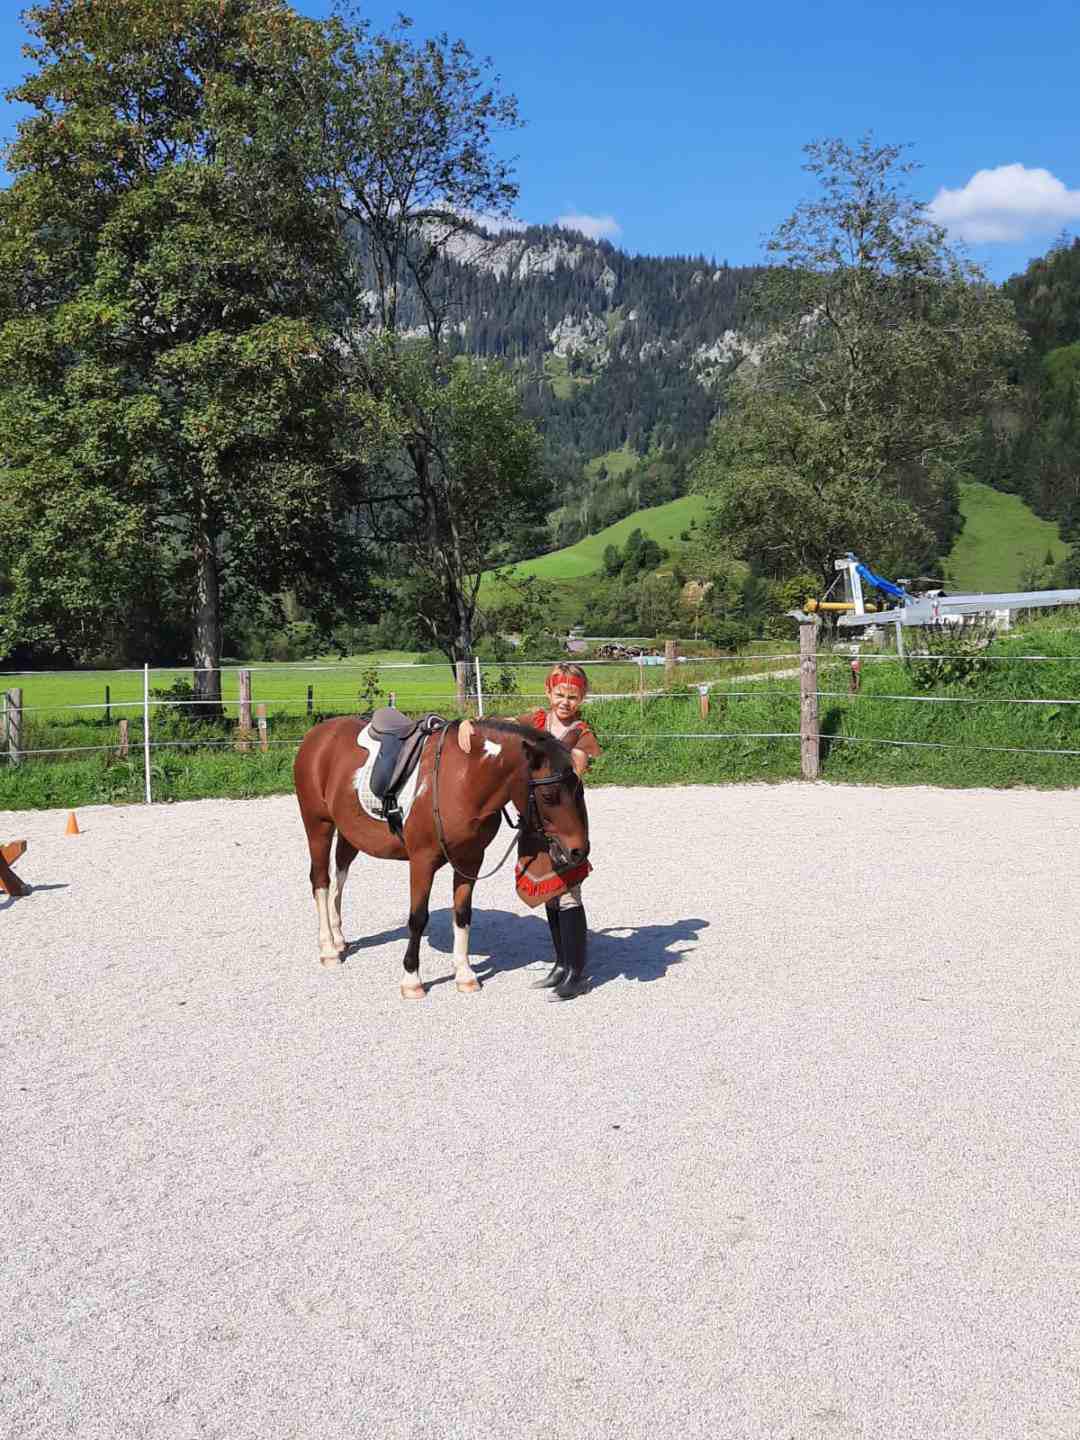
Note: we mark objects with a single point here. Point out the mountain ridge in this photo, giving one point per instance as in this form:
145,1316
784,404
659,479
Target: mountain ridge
614,352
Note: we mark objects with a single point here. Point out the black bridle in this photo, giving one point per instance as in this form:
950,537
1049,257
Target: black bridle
531,820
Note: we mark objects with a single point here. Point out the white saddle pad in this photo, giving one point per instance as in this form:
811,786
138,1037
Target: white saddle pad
369,802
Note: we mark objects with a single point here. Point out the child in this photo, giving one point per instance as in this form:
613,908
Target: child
567,687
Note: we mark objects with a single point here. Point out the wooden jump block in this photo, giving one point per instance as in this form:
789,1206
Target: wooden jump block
9,881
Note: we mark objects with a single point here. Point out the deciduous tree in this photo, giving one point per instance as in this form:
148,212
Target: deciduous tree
170,386
886,347
461,474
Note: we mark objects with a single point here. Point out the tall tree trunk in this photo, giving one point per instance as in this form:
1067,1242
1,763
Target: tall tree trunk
206,625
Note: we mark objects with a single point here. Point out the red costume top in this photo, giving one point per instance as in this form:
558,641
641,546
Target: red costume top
579,735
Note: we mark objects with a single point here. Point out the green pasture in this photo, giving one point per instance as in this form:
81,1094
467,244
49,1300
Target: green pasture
562,383
662,523
335,682
615,462
1001,538
338,686
876,736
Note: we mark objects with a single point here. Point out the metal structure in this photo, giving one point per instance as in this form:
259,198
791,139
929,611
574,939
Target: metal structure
929,608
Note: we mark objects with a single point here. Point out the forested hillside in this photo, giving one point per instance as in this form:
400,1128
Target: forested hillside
1032,447
615,353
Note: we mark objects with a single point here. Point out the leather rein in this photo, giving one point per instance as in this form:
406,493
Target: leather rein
531,812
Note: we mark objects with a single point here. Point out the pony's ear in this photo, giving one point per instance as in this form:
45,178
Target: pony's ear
534,754
465,735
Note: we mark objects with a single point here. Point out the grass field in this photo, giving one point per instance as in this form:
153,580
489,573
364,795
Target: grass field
657,739
563,384
616,462
1000,539
662,523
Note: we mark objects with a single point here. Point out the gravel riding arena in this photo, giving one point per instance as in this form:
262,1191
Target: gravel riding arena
801,1164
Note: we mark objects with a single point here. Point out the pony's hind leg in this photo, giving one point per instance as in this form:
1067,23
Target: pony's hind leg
464,975
346,853
320,838
421,874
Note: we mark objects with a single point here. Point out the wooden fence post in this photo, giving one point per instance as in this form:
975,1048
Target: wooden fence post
460,674
244,681
703,700
641,684
310,699
808,706
264,737
125,744
108,706
669,665
14,725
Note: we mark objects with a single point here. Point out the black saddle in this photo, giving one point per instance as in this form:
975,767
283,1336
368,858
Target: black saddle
401,743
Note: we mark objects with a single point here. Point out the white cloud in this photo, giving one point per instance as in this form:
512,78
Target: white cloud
1006,205
596,227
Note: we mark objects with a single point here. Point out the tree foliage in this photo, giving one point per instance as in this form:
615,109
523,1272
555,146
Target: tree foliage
403,131
459,475
169,385
1030,443
888,346
405,145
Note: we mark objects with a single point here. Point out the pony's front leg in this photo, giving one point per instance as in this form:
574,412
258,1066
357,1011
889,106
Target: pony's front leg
421,874
464,976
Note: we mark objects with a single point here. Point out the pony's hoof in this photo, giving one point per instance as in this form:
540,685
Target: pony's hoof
468,987
413,992
332,960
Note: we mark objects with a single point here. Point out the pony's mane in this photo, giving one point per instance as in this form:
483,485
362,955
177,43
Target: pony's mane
553,749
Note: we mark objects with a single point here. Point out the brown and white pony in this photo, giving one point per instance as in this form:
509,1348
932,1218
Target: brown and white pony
454,817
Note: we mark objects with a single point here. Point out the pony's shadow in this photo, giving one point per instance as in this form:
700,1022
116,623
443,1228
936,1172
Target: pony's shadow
506,940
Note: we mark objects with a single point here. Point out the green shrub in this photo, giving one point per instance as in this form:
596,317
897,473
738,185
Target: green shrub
956,654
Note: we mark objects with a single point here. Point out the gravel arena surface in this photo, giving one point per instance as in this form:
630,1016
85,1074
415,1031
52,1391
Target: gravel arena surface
802,1164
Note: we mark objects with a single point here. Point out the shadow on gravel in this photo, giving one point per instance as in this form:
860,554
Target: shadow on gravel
506,940
6,900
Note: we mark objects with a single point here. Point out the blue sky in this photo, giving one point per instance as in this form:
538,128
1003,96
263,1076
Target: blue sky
678,130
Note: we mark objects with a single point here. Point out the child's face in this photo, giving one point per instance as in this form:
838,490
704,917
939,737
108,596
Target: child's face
565,701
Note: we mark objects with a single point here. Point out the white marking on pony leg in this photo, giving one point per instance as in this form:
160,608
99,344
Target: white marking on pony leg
490,748
336,931
328,951
464,977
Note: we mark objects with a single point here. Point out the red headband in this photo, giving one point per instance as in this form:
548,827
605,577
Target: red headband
559,677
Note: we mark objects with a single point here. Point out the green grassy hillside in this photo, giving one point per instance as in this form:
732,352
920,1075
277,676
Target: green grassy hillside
662,523
615,462
1000,539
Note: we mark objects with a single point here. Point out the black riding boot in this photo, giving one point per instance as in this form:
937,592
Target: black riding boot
558,972
574,934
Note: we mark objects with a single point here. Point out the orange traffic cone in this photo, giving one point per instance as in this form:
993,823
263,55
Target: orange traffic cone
72,826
